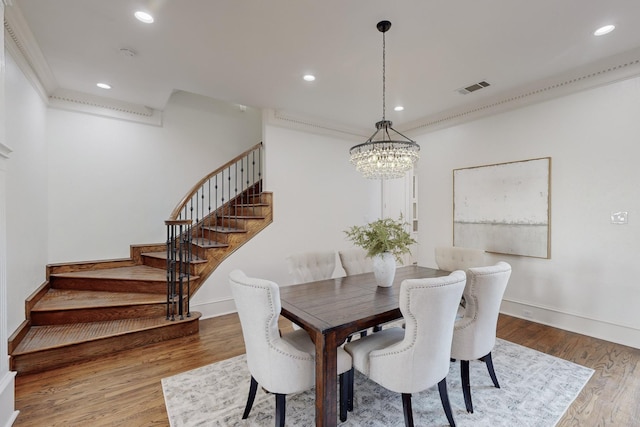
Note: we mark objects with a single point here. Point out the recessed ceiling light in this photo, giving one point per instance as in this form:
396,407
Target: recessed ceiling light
309,77
604,30
398,108
144,17
103,86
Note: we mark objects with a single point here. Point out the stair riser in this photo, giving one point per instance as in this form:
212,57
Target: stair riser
61,317
109,285
237,223
258,210
77,353
162,264
255,198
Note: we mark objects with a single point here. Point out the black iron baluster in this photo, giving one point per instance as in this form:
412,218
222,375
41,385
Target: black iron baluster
216,218
169,267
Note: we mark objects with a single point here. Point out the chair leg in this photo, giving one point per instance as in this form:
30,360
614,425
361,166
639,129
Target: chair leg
487,359
252,395
466,385
344,395
352,374
408,411
281,409
444,398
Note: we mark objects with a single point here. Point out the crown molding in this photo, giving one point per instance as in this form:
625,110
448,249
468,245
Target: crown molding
615,68
69,100
22,46
313,125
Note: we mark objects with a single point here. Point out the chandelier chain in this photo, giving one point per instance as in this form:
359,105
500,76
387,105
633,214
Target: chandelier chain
384,77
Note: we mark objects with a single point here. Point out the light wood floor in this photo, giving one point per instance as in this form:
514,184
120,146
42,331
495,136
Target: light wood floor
124,389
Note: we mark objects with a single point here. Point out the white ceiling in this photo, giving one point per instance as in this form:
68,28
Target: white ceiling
255,52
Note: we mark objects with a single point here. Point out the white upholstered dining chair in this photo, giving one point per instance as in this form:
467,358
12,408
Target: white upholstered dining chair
281,364
355,261
413,359
474,335
451,258
312,266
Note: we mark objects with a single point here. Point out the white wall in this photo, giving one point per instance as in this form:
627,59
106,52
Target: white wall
8,414
590,283
317,195
27,209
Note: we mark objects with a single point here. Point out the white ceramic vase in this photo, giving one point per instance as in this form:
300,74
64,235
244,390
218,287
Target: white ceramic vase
384,269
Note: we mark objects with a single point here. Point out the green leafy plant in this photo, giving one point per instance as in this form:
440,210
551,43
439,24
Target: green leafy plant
383,235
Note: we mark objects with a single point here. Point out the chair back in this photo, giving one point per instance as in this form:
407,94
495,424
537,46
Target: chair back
276,364
451,258
474,334
355,261
422,358
312,266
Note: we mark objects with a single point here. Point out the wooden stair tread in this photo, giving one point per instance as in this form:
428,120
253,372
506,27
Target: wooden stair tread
69,299
232,217
40,338
221,229
137,272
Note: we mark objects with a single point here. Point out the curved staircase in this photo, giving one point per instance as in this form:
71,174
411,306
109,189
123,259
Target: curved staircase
94,309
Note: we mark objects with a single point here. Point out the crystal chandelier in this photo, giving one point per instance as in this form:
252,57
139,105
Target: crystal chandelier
384,157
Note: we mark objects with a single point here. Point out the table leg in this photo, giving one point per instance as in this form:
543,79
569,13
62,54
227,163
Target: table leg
326,380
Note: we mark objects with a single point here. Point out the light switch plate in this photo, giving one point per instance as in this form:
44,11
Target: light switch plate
619,217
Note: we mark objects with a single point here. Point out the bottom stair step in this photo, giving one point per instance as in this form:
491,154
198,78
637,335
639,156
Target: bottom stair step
47,347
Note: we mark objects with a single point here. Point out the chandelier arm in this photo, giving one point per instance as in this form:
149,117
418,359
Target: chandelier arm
386,131
364,144
370,140
404,136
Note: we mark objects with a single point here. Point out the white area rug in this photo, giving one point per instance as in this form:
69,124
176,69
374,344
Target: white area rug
536,390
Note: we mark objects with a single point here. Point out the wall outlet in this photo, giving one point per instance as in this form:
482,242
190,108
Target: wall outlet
619,217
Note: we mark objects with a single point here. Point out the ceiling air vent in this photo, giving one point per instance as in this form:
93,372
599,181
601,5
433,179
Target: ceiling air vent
474,87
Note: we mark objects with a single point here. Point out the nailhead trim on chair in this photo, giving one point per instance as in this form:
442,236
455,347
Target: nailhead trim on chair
271,305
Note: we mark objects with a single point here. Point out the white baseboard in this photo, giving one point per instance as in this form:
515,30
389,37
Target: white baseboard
214,308
8,414
620,334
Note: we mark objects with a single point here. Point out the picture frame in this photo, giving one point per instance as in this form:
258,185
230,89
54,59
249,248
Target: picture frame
504,208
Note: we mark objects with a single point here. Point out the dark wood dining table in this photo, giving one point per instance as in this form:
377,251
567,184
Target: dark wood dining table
331,310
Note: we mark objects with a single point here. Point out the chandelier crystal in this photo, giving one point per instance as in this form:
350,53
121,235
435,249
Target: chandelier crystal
384,156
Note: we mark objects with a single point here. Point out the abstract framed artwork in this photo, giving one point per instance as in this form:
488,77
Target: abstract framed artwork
504,208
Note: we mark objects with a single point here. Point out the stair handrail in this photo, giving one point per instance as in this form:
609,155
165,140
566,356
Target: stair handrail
175,214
